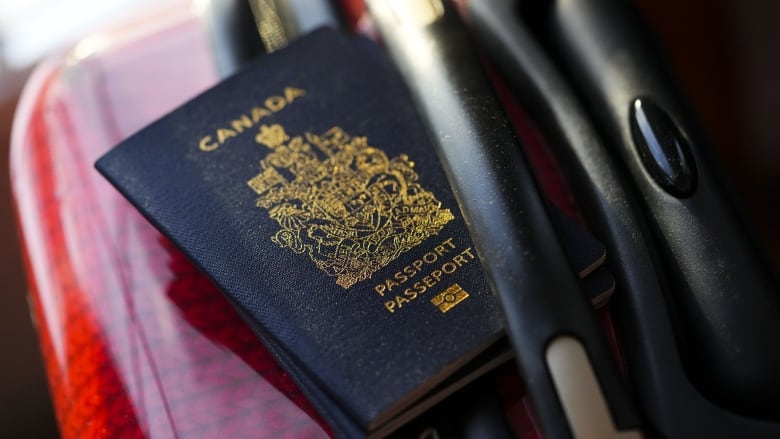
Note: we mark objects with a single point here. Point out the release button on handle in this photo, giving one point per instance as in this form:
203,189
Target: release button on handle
664,151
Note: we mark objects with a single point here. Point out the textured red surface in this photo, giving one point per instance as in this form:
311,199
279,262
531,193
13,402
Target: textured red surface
137,342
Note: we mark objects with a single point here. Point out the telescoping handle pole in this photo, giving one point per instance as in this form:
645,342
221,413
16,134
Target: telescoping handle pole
574,385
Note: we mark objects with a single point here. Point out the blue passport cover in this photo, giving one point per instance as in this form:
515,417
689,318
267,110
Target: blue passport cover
305,187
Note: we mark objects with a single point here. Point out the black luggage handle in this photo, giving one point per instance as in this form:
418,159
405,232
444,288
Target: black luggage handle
550,325
599,43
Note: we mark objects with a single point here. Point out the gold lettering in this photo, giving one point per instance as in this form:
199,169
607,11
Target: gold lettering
241,123
245,121
275,103
389,283
259,113
428,282
451,270
400,277
206,144
460,260
224,134
444,247
290,93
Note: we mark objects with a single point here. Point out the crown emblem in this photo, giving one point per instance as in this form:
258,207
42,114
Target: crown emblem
271,136
344,203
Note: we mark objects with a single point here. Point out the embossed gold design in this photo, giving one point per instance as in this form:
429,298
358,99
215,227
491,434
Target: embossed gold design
447,299
343,202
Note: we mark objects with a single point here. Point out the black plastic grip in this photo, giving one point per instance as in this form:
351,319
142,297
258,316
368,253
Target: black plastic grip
501,204
727,300
672,406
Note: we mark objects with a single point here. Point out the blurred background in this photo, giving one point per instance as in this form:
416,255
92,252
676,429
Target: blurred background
726,55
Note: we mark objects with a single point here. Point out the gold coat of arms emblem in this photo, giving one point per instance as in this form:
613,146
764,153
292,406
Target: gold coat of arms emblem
344,203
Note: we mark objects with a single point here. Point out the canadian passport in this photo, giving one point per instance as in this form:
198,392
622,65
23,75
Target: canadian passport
305,187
